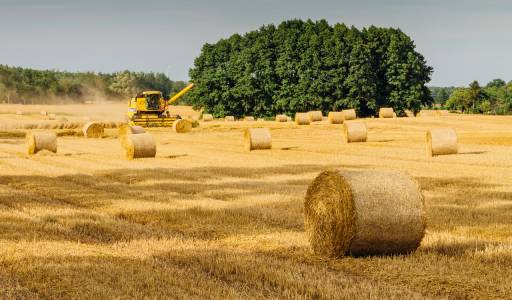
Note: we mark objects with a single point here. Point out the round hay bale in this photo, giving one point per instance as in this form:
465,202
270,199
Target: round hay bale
38,141
409,113
355,132
207,118
261,120
249,119
229,119
302,119
364,213
93,130
386,112
125,129
281,118
257,139
182,126
336,117
315,116
138,145
52,116
441,141
349,114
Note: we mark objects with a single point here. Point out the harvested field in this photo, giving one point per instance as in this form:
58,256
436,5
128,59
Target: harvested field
206,219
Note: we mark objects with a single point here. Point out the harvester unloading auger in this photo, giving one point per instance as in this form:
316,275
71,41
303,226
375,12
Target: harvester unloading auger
150,109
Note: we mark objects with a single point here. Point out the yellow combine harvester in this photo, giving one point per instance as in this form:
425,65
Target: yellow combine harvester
150,109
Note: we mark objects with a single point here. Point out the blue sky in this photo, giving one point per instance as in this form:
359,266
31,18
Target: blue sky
462,40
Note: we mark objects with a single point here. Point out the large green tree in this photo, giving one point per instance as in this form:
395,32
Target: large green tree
305,65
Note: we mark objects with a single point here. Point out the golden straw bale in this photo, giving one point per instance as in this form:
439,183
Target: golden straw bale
51,116
229,119
349,114
93,130
38,141
364,213
302,118
44,113
315,116
426,113
409,113
138,145
336,117
281,118
441,141
257,139
355,132
125,129
207,117
386,112
261,120
182,126
249,119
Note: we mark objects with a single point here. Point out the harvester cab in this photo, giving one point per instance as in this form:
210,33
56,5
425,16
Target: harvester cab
150,109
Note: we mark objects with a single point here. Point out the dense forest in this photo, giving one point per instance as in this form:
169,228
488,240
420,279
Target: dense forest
28,86
305,65
494,98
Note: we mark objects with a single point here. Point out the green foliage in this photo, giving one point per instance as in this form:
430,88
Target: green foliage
441,94
306,65
494,98
21,85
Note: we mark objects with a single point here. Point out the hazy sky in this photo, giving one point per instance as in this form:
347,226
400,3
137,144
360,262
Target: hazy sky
462,40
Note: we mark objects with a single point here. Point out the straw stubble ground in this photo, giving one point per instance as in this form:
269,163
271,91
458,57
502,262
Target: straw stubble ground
205,219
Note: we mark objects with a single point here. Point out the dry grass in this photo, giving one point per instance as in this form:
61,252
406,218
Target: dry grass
205,219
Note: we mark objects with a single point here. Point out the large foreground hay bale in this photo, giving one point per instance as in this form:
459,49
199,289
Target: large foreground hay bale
207,117
441,141
355,132
281,118
302,119
386,112
38,141
182,126
315,116
364,213
349,114
138,145
257,139
336,117
125,129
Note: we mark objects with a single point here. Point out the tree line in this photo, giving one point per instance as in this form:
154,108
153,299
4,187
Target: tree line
310,65
29,86
493,98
